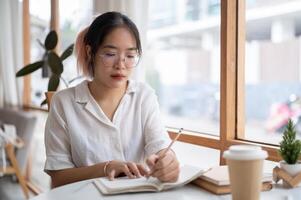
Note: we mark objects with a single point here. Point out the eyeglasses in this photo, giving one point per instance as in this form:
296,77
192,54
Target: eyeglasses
109,59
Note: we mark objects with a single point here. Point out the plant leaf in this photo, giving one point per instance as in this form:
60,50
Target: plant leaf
67,52
290,147
51,40
43,102
55,63
53,83
30,68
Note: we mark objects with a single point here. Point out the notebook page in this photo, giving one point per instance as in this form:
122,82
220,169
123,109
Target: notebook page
125,182
187,174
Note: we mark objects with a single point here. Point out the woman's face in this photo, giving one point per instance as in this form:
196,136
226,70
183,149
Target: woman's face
116,58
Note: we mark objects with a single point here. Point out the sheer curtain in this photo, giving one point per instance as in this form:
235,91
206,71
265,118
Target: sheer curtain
11,47
137,10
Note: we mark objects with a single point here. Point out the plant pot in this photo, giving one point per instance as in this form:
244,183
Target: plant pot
292,169
48,98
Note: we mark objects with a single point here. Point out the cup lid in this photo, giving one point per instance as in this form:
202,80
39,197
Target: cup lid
245,152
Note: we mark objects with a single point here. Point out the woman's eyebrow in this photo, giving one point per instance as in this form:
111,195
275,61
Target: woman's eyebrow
114,47
109,47
132,49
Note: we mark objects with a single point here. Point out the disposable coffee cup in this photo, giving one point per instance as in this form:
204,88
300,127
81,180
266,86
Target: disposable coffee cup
245,164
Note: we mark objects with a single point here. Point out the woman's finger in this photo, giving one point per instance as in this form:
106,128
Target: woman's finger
111,174
164,161
151,160
171,176
127,171
171,167
143,171
134,169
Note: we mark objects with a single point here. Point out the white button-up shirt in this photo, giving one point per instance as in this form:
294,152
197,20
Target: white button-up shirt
78,133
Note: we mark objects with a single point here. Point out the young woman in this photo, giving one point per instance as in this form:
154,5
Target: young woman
109,125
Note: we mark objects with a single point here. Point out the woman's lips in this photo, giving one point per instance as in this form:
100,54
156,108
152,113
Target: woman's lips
118,76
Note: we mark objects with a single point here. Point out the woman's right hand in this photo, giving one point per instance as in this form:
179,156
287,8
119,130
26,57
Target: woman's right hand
130,169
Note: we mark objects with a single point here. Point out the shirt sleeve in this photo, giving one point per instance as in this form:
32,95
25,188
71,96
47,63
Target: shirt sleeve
155,134
57,140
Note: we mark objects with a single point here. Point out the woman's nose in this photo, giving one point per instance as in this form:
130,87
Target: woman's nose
120,62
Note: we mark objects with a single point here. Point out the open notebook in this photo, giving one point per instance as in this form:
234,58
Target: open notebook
124,185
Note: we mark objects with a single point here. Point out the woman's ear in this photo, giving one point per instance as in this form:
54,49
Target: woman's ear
88,51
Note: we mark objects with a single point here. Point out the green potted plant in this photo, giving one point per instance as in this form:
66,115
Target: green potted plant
51,64
290,150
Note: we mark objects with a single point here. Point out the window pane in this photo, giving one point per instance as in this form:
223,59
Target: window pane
272,68
73,16
183,62
39,27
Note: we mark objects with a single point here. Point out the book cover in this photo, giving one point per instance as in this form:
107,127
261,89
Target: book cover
224,189
216,180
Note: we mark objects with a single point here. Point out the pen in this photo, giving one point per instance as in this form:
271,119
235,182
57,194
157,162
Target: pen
168,148
173,141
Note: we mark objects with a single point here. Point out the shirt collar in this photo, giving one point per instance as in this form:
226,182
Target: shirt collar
82,93
132,87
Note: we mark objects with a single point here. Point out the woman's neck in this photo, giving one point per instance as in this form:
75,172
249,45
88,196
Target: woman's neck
102,93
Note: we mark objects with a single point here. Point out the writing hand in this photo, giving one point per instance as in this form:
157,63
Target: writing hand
165,167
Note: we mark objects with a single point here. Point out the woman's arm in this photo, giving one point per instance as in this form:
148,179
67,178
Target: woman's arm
111,169
65,176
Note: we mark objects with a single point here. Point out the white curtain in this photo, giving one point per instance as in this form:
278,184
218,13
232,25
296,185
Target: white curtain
11,51
136,10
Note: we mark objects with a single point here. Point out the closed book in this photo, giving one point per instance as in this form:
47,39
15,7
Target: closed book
217,180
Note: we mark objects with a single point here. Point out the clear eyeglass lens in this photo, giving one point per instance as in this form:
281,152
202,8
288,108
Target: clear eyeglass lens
109,60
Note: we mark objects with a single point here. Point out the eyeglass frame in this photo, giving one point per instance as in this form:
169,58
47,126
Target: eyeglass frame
101,55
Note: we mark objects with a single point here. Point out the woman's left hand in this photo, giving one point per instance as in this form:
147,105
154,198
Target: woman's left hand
164,167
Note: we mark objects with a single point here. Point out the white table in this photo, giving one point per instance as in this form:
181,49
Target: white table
85,190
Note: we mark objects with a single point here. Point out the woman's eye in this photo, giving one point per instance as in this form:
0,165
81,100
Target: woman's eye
110,54
131,56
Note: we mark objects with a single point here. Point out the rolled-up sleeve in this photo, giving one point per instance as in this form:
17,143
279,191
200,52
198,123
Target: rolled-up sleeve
155,134
57,140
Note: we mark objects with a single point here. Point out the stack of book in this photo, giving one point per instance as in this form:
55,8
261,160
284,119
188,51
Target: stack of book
217,180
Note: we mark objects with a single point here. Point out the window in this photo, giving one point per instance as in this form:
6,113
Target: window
272,69
163,13
74,15
183,63
232,81
40,20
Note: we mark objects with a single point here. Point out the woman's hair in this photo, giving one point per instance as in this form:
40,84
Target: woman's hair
94,36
